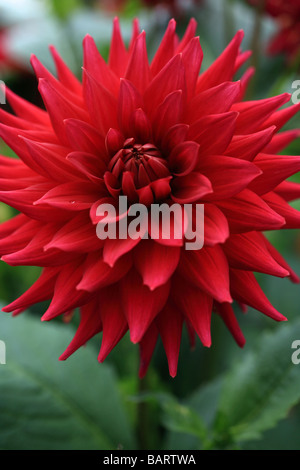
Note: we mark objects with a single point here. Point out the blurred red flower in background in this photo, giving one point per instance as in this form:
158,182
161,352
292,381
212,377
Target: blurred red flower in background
176,7
287,15
7,61
112,5
157,132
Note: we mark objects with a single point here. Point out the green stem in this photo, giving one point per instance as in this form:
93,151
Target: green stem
142,418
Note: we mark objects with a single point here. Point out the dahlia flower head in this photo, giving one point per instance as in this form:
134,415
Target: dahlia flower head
287,15
156,132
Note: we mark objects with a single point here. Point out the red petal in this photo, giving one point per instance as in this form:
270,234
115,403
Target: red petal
280,141
168,114
114,141
89,165
97,67
26,109
85,138
141,126
216,100
118,55
59,109
247,211
280,260
245,289
169,79
169,323
147,346
275,169
114,249
155,262
97,273
138,71
78,235
188,35
208,270
192,56
51,161
290,214
140,304
190,188
175,135
246,147
184,158
129,101
102,105
70,196
281,117
65,75
226,312
40,291
288,190
17,239
165,50
65,296
216,228
42,72
223,68
33,253
254,113
90,324
214,132
195,305
235,175
248,251
114,323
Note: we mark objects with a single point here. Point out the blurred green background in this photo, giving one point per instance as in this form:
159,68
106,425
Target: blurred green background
222,398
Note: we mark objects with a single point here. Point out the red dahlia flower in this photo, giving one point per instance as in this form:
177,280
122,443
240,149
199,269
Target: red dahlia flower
158,132
287,14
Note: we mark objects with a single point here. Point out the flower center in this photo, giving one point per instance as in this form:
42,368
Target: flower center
144,161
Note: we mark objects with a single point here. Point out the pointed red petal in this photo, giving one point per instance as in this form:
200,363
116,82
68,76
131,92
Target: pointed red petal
155,262
248,251
208,270
247,211
245,288
226,312
90,324
147,346
147,304
114,323
196,306
118,55
138,71
223,68
190,188
169,323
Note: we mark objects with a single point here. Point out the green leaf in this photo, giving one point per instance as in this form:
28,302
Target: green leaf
176,417
49,404
180,418
201,406
261,389
65,8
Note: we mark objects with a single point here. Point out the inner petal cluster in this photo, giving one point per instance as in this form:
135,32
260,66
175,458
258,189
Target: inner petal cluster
144,161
